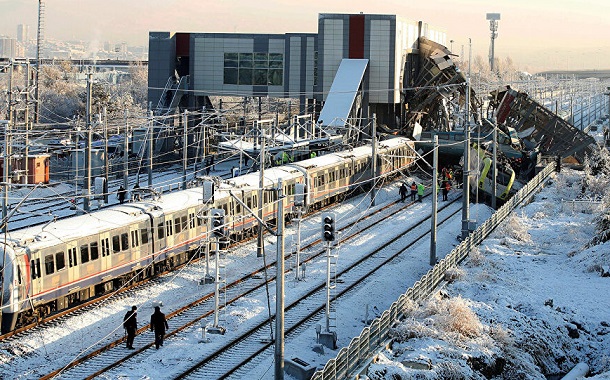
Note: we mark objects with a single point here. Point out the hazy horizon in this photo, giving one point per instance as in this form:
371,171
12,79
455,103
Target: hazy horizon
537,34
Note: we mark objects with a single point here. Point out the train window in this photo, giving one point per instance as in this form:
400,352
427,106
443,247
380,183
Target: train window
177,225
134,239
191,221
93,249
116,244
144,233
72,257
169,228
249,202
184,222
160,231
105,248
226,208
35,268
49,264
237,208
84,253
332,176
60,259
124,242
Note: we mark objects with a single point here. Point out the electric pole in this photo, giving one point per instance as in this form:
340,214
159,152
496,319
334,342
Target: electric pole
86,198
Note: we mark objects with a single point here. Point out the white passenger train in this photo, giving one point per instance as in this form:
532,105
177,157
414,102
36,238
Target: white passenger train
58,265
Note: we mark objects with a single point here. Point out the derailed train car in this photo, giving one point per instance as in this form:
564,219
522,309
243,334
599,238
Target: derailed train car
52,267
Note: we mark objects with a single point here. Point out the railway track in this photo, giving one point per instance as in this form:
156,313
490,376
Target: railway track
113,355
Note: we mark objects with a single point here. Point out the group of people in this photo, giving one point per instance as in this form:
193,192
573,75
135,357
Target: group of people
158,324
419,188
416,189
121,193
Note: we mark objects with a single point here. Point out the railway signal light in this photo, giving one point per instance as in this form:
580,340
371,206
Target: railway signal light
328,226
218,222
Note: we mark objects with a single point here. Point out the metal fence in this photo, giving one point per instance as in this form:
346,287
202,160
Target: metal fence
351,359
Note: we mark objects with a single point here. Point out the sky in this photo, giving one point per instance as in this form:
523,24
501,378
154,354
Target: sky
536,34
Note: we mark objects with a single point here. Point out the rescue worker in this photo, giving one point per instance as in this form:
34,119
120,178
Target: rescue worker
445,187
403,192
158,324
121,193
413,191
420,191
130,324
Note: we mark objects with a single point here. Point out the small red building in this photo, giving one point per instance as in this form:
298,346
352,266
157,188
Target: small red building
37,169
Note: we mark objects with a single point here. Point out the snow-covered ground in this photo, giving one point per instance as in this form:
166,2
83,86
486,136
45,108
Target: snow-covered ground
529,302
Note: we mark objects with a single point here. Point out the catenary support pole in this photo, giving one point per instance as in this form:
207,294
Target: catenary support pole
106,163
466,169
261,184
87,195
126,152
279,294
151,134
494,169
184,148
374,160
434,202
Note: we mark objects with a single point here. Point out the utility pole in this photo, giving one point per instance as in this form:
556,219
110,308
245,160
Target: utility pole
466,170
106,163
279,295
261,183
494,172
86,198
184,148
374,160
150,149
126,153
39,43
7,148
434,202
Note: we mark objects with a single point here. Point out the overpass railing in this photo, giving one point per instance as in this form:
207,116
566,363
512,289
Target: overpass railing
352,358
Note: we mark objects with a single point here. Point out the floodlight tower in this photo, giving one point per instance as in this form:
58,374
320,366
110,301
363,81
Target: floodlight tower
493,26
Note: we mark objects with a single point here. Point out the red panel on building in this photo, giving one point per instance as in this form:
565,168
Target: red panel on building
183,41
356,36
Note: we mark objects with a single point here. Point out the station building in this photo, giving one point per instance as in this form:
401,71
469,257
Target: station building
357,62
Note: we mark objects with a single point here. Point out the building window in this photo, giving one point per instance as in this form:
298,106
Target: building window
260,69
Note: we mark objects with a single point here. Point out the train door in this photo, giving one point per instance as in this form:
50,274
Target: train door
105,248
73,268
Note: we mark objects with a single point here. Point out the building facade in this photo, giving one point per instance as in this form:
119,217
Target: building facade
185,68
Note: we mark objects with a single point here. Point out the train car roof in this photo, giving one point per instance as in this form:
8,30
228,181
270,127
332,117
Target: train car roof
252,180
67,229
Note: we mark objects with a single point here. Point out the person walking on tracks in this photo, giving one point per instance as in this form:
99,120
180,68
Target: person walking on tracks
403,192
445,187
130,324
158,324
121,193
420,191
413,191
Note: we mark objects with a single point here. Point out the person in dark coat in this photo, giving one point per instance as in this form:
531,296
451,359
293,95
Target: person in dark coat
403,192
445,186
121,193
130,324
158,324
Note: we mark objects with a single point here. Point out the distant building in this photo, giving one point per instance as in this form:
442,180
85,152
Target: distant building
292,65
23,33
8,47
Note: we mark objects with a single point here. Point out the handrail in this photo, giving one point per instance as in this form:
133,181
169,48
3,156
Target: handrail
350,359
